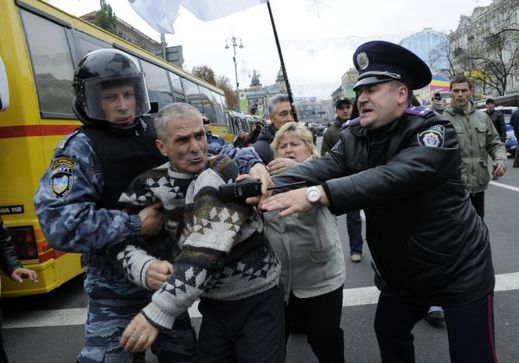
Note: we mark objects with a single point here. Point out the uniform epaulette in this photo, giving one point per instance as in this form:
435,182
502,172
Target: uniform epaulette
418,111
354,122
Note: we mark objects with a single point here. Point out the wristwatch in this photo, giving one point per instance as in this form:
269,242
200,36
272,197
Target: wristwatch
313,196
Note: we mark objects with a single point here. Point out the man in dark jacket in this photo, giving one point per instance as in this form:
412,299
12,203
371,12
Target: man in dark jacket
497,119
401,165
343,109
280,112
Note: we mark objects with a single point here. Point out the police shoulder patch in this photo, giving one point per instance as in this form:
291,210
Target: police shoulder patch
434,136
418,111
61,176
349,123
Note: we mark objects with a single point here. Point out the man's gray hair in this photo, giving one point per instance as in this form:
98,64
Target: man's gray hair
170,113
274,100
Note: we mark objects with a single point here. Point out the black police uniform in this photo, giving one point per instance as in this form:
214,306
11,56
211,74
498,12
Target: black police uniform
426,240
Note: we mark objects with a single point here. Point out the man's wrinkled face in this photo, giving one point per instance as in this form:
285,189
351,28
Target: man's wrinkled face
281,114
186,144
344,112
118,104
379,104
461,94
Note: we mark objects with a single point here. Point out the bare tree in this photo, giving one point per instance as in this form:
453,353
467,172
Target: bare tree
491,56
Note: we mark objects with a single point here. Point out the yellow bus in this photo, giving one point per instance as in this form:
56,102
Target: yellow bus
39,47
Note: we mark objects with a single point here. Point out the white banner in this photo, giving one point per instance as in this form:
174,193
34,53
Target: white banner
161,14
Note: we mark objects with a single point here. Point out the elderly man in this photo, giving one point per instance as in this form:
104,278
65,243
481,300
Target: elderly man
222,254
280,112
478,140
401,165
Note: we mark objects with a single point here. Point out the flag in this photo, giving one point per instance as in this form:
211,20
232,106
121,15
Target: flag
161,14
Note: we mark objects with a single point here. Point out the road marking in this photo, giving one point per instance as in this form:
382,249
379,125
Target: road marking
77,316
506,186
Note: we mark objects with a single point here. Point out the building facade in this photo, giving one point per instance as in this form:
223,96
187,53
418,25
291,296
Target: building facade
489,38
134,36
431,46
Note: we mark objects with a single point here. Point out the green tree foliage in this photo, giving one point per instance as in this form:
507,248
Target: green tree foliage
206,73
105,17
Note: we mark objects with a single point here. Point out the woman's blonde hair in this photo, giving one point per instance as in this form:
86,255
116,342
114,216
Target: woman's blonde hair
302,132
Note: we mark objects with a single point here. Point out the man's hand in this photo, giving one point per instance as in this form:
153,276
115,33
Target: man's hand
279,165
158,273
139,335
499,169
21,274
290,202
151,220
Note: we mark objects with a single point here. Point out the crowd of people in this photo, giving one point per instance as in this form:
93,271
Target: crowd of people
140,199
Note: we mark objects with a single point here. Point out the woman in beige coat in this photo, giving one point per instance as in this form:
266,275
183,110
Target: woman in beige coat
310,251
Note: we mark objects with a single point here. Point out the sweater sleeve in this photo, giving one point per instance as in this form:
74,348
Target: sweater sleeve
211,228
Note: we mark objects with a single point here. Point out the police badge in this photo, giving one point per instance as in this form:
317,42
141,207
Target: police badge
61,178
432,137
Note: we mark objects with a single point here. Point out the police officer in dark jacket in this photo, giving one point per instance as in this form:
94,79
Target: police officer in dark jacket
402,166
497,118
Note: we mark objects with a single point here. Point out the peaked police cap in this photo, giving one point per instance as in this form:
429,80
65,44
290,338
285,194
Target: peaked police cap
379,61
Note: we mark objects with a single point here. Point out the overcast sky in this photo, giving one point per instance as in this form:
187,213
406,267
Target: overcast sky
317,37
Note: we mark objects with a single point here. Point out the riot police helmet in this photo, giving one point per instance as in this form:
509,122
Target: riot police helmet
105,69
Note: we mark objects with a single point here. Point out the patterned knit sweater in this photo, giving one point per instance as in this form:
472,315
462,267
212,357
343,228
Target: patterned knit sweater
221,252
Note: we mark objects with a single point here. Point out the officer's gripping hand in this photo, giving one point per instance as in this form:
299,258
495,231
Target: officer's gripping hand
279,165
293,201
139,335
158,273
151,220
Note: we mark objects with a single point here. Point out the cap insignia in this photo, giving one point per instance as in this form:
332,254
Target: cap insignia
362,60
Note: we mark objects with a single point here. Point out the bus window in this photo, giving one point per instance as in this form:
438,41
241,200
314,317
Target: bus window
178,91
207,101
52,65
219,107
158,85
193,96
86,44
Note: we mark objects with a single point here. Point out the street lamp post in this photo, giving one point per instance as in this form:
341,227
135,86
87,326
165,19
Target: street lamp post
235,42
